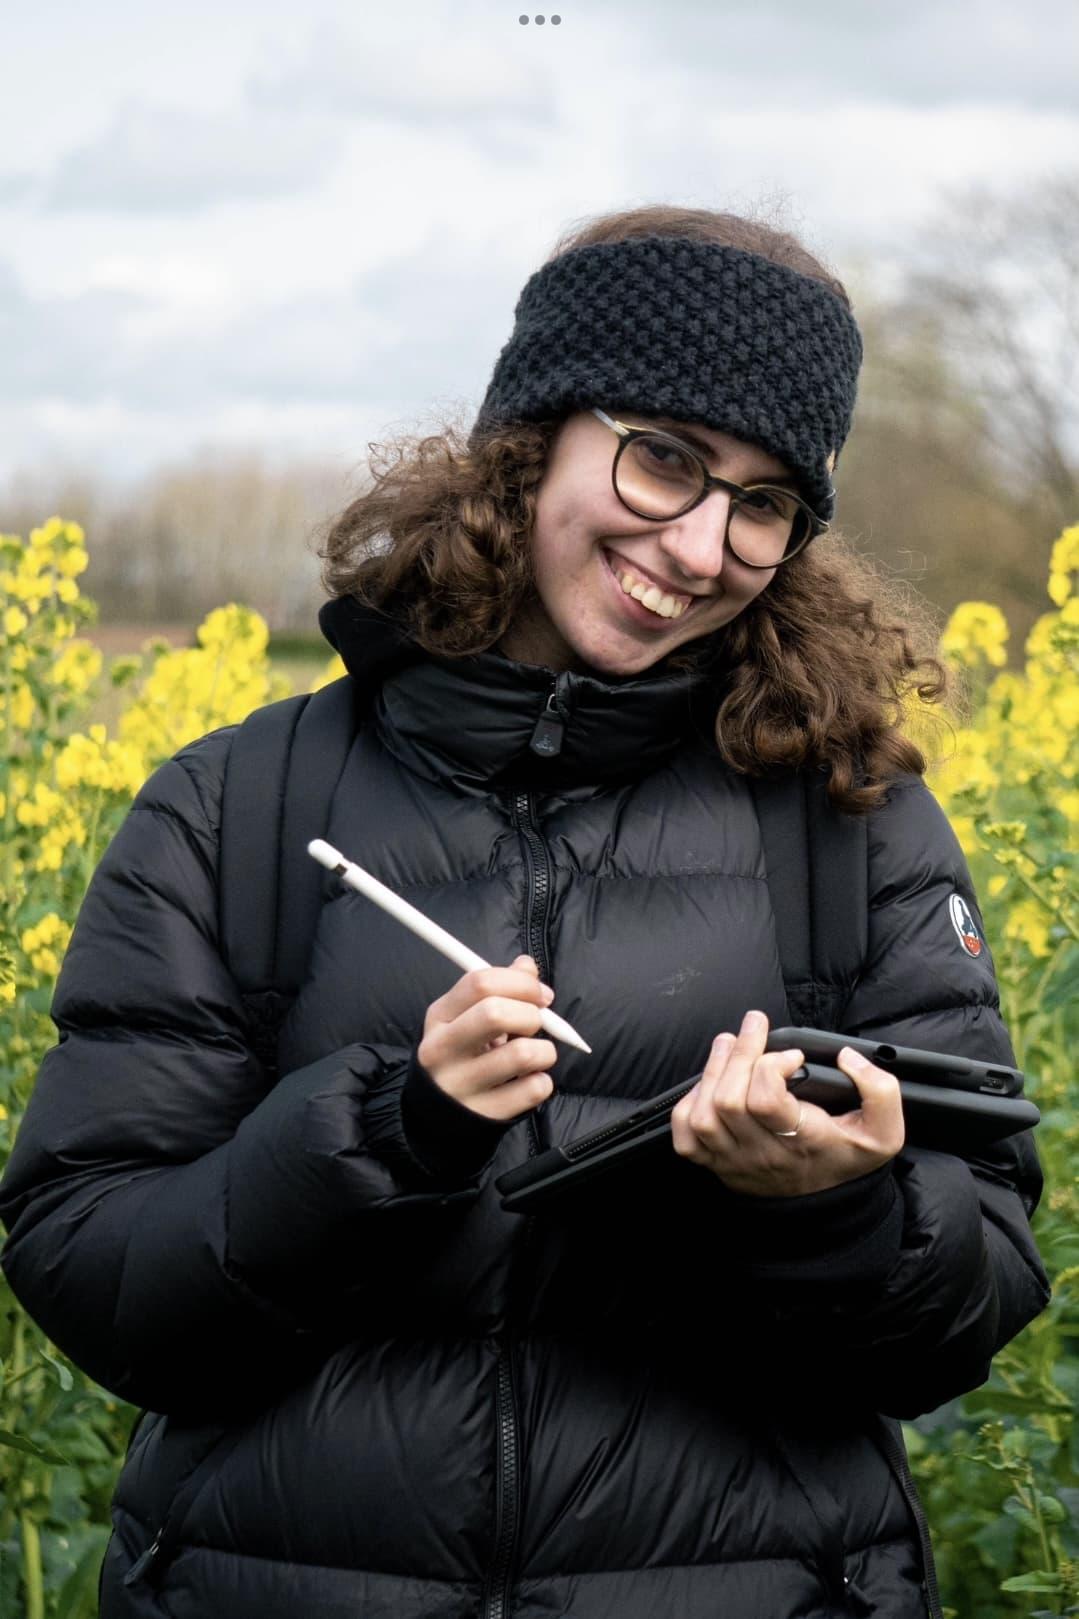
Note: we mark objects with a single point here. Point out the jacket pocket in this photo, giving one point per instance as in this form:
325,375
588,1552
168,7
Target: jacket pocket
801,1458
152,1564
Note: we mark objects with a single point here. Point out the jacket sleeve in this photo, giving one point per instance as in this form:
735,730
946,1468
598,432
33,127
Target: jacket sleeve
902,1286
189,1238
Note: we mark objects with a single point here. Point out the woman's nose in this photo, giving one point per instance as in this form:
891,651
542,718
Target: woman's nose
696,541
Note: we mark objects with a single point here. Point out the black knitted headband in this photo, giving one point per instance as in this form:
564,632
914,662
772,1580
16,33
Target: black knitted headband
660,325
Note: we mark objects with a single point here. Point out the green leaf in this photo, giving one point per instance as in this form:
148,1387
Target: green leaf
1060,991
1051,1509
1015,1509
43,1453
67,1382
1040,1580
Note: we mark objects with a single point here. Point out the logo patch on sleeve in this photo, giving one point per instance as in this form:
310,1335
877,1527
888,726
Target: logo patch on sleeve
964,925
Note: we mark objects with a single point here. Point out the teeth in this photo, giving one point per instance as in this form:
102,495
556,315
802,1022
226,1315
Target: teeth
650,596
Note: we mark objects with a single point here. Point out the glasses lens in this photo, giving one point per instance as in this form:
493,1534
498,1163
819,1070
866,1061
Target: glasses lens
766,524
657,478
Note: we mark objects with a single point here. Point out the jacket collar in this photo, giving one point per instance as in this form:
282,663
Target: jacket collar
485,721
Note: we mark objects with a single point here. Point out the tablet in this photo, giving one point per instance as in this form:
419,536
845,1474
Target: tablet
944,1117
934,1067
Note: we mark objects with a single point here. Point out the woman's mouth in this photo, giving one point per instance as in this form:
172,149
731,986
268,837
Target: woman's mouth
660,603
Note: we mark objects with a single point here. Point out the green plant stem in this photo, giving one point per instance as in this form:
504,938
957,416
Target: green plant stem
1054,912
1039,990
33,1574
1034,1507
14,1484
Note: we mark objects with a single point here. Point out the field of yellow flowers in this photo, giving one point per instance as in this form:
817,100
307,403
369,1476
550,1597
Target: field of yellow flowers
999,1469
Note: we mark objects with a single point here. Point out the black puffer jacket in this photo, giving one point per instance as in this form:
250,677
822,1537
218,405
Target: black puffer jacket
373,1392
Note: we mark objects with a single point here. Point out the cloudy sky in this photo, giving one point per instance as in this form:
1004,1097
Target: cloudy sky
252,222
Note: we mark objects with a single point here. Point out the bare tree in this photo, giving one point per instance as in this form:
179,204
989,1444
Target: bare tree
964,460
998,274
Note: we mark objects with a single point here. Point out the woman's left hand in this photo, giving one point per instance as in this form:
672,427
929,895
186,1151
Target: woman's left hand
729,1121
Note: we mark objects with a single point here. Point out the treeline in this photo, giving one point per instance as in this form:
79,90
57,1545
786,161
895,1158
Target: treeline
962,467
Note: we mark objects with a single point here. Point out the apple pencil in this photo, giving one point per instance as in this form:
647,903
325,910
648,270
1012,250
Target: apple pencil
364,883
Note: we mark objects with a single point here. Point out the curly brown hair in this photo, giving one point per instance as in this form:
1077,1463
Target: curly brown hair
816,671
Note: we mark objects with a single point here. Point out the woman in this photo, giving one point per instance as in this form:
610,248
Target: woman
369,1389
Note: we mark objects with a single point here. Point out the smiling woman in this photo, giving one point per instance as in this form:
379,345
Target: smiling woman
516,540
273,1219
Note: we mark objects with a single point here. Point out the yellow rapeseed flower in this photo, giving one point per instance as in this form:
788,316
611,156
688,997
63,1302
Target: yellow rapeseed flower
1063,563
1029,922
46,942
15,621
976,632
77,667
73,562
39,807
22,707
93,761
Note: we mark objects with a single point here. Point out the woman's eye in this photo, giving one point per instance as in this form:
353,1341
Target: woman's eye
765,503
665,456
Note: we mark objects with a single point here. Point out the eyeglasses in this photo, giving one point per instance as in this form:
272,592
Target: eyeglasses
656,476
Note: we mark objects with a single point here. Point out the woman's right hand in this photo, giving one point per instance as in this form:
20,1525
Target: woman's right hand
478,1043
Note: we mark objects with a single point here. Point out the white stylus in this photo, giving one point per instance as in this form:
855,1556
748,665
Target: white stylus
459,953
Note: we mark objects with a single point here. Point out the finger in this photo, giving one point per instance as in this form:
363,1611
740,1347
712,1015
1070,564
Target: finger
880,1116
698,1104
700,1112
477,1029
768,1101
878,1121
503,1065
728,1098
516,1096
746,1049
698,1148
517,983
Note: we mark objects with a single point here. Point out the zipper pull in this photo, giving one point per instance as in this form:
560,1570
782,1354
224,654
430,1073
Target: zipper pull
550,729
142,1565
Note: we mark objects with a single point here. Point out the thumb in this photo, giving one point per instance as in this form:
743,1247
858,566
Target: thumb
881,1100
526,964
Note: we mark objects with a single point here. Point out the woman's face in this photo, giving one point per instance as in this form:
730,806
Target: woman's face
589,550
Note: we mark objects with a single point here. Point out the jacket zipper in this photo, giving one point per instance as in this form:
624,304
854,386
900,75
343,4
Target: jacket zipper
508,1482
539,882
507,1489
897,1455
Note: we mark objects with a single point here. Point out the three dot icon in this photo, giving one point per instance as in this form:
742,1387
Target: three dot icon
540,19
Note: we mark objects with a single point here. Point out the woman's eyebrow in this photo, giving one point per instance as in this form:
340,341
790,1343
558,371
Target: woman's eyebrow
709,450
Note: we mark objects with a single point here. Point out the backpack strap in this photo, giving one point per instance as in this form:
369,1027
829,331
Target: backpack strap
816,862
283,767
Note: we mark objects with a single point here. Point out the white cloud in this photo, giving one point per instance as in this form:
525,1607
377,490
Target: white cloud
416,73
170,161
326,219
919,53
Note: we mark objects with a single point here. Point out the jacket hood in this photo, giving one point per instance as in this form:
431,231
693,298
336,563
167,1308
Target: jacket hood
488,721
